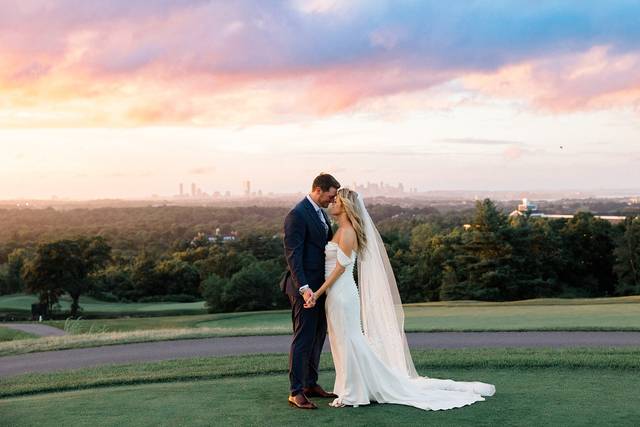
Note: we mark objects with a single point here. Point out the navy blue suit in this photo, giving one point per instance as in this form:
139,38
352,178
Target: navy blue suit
305,238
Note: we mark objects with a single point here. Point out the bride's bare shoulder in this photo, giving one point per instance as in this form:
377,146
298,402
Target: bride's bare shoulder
348,239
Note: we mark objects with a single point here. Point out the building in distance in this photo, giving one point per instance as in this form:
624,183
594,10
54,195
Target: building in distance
529,209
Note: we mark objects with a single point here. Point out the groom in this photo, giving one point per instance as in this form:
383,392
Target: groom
306,233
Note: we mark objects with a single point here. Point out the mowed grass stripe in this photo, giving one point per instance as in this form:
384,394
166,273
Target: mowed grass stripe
8,334
477,317
627,359
542,314
21,303
525,397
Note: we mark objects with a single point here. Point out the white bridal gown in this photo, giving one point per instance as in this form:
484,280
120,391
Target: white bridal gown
361,376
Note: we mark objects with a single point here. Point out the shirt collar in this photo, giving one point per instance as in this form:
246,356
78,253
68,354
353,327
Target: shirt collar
315,206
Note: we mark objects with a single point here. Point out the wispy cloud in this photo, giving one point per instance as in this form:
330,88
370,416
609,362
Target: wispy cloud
205,170
392,153
478,141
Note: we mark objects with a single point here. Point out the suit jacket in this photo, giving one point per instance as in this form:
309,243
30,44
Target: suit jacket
304,243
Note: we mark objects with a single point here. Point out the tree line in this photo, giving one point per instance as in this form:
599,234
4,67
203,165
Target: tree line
498,258
479,254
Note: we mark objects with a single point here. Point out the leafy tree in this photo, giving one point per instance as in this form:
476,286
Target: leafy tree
482,262
143,276
113,283
56,265
223,261
627,253
15,263
261,246
3,280
488,218
177,277
64,266
535,258
213,292
452,288
588,256
255,287
192,255
94,254
421,277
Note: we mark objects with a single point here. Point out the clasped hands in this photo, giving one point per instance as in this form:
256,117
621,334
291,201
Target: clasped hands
309,299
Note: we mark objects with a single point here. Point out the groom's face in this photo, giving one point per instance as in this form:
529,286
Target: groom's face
327,197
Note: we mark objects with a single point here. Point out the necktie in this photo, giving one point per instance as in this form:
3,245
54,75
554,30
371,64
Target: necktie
324,224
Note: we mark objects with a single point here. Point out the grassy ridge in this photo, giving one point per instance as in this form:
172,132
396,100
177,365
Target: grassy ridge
7,334
621,313
627,359
624,314
129,324
21,303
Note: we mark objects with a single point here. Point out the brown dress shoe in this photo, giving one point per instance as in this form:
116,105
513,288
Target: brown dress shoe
301,401
317,391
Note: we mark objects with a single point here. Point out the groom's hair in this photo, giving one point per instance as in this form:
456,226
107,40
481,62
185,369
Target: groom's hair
325,182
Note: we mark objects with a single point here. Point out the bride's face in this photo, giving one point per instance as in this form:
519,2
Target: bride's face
335,208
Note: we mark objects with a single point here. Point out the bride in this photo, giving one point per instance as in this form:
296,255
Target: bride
366,323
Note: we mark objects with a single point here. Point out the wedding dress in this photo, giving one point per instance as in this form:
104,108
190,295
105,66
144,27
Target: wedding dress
366,368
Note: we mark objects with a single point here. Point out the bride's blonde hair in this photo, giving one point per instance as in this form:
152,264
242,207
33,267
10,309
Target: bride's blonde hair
349,200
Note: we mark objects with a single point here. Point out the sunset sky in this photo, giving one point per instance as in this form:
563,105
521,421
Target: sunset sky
129,98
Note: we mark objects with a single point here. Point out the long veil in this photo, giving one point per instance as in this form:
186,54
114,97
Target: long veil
381,310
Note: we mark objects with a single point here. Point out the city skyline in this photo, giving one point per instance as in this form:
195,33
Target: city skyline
204,193
124,100
369,189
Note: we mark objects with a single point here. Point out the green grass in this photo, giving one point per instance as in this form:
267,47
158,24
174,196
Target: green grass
626,359
21,303
554,314
136,323
534,387
621,313
541,314
7,334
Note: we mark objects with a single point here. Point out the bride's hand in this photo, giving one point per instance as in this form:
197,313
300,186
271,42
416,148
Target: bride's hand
311,302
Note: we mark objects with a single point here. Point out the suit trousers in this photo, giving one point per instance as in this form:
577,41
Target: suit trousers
309,333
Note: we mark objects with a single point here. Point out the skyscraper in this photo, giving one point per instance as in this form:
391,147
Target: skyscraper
247,188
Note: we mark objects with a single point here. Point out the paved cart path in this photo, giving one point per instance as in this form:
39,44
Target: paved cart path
165,350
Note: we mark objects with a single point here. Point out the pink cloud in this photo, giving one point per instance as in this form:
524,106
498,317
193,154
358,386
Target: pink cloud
202,63
595,79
